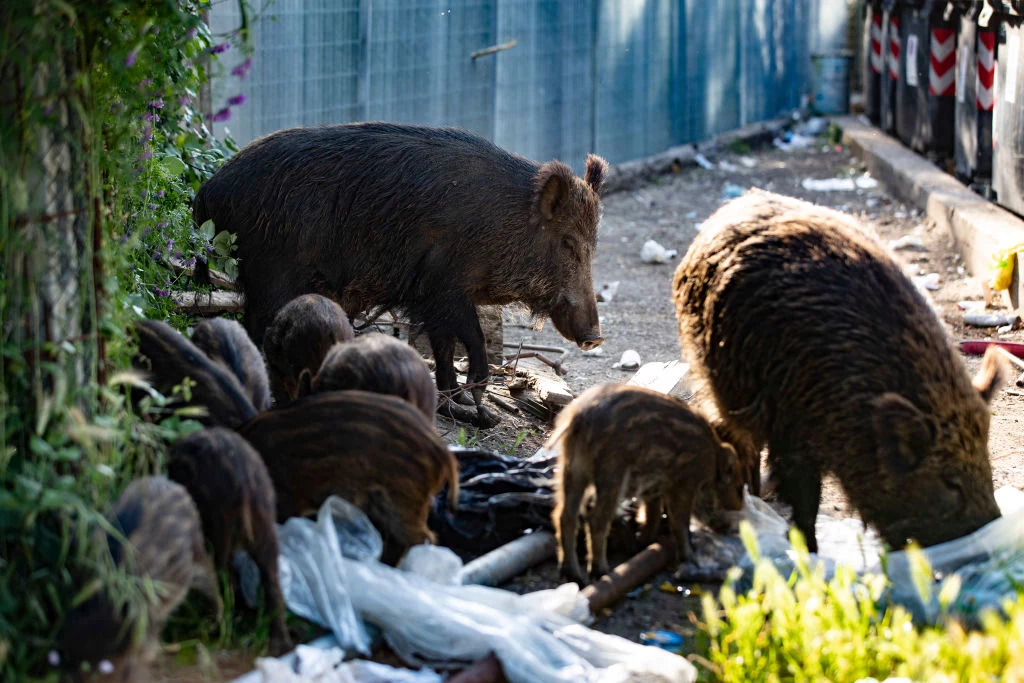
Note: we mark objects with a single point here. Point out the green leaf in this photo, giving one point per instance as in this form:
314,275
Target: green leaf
207,230
173,165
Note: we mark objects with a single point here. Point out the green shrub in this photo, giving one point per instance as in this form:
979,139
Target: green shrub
806,628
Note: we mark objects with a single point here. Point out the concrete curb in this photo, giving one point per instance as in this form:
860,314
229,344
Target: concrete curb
979,228
631,175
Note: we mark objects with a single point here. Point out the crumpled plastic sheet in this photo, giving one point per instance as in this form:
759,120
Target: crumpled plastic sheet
315,665
537,637
989,561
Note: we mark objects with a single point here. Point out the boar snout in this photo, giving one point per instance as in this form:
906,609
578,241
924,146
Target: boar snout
575,318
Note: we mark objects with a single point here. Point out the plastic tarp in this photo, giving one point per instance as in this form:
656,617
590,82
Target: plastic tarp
331,576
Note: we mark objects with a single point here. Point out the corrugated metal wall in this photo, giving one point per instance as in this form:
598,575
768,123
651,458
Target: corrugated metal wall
624,78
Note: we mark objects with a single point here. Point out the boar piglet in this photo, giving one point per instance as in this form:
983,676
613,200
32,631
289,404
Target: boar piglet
375,451
378,363
166,357
814,343
302,333
232,489
429,221
226,342
615,441
165,546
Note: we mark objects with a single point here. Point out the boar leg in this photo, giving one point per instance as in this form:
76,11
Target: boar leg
652,520
799,486
680,508
265,555
469,332
566,520
599,523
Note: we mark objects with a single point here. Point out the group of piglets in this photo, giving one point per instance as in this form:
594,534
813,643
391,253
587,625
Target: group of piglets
335,415
806,335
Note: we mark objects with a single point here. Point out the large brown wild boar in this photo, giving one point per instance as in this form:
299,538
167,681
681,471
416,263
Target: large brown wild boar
166,546
167,358
375,451
378,363
629,441
226,342
813,342
430,221
297,341
231,487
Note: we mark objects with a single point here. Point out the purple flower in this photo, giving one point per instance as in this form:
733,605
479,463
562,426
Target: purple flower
53,658
170,246
209,248
158,103
162,224
191,262
242,69
147,133
145,82
237,100
223,115
191,33
145,233
129,61
148,154
160,292
160,193
217,49
185,101
153,207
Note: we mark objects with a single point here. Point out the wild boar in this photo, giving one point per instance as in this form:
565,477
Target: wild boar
430,221
302,333
167,358
231,487
814,343
378,363
165,538
375,451
226,342
618,440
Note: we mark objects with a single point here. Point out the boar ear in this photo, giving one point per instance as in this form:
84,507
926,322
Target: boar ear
597,169
902,434
305,382
553,182
994,372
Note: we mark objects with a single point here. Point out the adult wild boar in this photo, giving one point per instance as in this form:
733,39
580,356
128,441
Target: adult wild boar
429,221
813,341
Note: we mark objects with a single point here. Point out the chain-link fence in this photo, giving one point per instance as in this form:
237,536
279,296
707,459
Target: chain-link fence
623,78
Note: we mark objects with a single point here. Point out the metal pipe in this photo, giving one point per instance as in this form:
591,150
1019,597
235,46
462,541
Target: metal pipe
511,559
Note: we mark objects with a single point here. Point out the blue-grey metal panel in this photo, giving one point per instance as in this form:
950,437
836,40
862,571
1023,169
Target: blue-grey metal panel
545,84
420,69
712,67
758,53
305,69
638,64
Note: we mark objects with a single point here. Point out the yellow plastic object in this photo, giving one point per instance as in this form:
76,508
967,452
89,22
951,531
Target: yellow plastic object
1004,267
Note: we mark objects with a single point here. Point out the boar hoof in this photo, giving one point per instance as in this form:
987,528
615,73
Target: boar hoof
485,418
464,398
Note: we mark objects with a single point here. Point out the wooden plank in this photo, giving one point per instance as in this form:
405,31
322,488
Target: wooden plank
217,279
550,387
208,303
668,378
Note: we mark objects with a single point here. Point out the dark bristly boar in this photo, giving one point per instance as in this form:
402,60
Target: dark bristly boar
166,546
302,333
814,342
615,441
376,451
226,342
167,358
378,363
231,487
429,221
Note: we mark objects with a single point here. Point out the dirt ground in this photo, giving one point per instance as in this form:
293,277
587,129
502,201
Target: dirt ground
640,317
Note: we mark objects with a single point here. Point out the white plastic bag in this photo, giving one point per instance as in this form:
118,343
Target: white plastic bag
537,637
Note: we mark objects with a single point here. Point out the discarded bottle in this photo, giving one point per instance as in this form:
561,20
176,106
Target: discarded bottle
666,640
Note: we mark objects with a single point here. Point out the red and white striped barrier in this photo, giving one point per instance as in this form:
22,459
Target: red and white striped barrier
894,48
876,43
942,70
986,70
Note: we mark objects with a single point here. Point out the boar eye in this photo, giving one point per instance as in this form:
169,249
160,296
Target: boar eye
567,243
956,492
